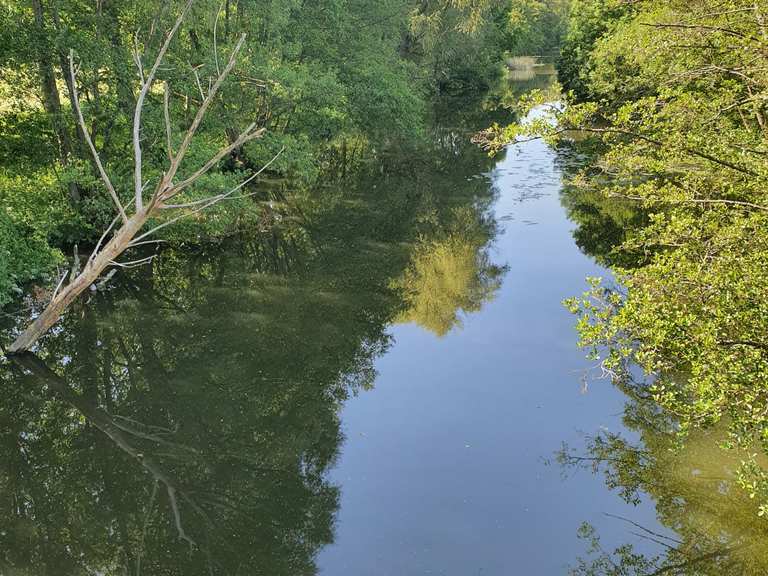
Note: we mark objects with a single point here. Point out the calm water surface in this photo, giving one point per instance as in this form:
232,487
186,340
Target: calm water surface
446,466
379,387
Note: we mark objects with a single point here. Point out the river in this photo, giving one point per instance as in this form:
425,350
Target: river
380,387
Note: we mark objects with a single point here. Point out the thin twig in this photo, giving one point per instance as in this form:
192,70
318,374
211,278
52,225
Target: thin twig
137,168
87,136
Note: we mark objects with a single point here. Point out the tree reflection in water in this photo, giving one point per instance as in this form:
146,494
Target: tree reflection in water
713,526
184,420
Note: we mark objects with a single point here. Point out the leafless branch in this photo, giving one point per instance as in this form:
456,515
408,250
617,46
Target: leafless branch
208,202
87,136
177,515
146,85
197,81
215,39
59,285
134,263
249,134
202,110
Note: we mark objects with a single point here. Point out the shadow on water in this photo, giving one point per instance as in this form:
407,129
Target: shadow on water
183,420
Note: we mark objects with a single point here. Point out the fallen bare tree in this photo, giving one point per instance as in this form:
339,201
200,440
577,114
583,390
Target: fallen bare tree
126,228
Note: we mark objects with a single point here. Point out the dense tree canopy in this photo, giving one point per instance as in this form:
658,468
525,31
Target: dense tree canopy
672,95
329,81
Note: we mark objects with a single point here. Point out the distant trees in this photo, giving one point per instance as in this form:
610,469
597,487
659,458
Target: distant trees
536,27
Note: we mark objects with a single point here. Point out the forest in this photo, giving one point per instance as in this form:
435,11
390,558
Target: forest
327,82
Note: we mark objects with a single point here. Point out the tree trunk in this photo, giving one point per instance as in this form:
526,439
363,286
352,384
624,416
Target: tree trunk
119,57
88,276
50,93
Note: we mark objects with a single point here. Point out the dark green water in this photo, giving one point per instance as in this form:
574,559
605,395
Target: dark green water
378,388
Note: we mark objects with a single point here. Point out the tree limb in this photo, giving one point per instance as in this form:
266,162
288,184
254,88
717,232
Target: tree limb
87,136
147,83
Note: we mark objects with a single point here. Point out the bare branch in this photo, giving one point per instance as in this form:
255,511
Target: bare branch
135,244
167,116
246,136
134,263
177,515
206,203
137,57
137,168
102,238
123,237
202,110
59,285
692,201
215,41
197,81
87,136
703,27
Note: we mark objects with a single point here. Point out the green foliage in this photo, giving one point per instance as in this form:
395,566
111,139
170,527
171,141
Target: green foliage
329,81
588,21
23,256
679,124
536,27
457,43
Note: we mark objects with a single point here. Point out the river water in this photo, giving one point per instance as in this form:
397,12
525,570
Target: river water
379,387
448,463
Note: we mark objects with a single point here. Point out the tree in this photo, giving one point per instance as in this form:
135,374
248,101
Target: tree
168,187
536,27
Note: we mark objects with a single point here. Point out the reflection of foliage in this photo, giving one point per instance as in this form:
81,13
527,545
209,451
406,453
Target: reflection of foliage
623,561
603,223
215,377
448,275
697,494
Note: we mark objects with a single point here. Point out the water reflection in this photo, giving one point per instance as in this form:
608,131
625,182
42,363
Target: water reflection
449,274
712,526
709,524
183,421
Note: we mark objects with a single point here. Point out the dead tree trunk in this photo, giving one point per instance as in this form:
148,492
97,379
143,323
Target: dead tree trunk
127,234
88,276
